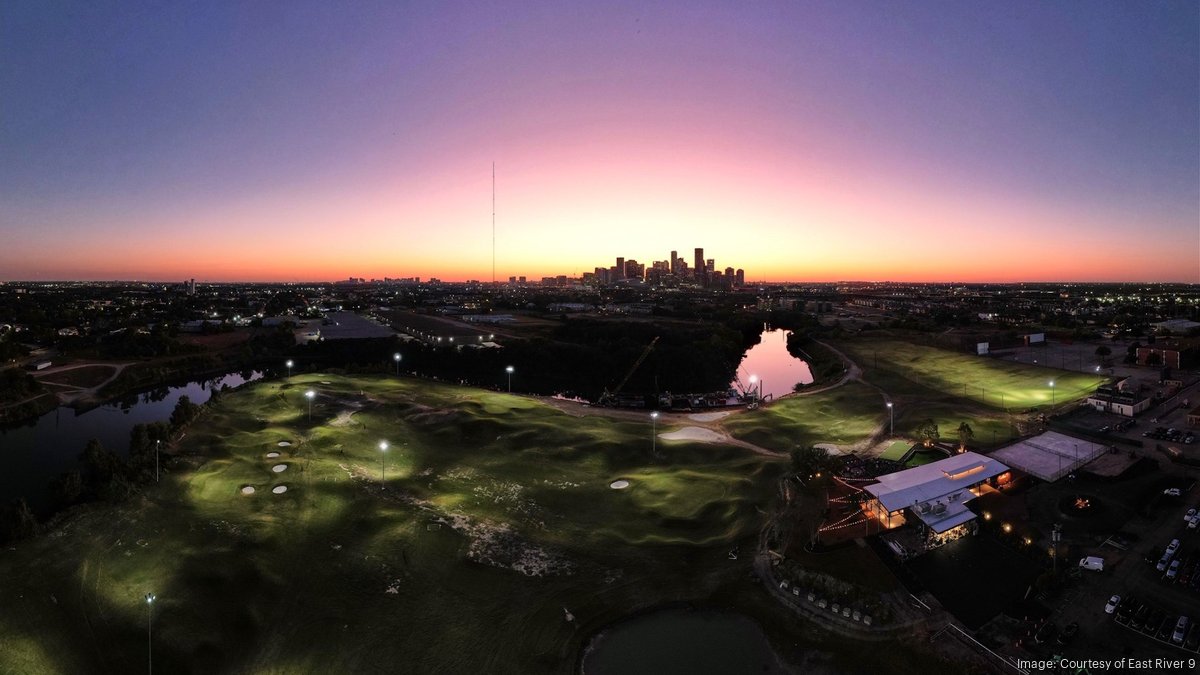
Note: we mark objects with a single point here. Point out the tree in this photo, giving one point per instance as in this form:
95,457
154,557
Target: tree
99,465
965,434
809,460
1102,353
185,411
927,431
17,521
67,489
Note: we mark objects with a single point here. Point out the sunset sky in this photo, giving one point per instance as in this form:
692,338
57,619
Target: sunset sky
966,141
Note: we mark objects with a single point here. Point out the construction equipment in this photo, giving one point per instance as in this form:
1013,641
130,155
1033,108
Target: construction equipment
610,397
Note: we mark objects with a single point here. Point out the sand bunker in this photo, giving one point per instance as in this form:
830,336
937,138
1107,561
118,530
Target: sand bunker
619,484
279,468
272,455
284,444
279,489
709,417
248,490
692,434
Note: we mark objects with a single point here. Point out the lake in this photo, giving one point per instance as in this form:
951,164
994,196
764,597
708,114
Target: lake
776,369
687,642
35,453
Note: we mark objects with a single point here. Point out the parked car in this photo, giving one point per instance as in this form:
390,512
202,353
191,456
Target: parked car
1113,603
1191,513
1166,628
1139,617
1173,570
1181,627
1194,522
1172,547
1172,492
1153,621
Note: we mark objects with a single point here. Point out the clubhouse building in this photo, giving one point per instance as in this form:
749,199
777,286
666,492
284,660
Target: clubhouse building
934,496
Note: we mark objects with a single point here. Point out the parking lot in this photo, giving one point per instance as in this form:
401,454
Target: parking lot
1144,622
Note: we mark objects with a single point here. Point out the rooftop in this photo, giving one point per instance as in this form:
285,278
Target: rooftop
934,481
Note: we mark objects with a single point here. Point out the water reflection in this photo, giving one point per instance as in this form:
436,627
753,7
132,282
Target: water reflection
33,454
775,370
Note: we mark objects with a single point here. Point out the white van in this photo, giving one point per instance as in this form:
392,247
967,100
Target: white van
1092,563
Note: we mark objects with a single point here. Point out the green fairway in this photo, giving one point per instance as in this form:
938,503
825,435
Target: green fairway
843,415
1003,385
896,450
497,514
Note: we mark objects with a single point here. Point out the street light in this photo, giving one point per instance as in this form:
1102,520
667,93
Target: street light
383,446
1051,393
309,395
758,393
149,639
289,367
654,433
891,419
509,370
396,358
157,443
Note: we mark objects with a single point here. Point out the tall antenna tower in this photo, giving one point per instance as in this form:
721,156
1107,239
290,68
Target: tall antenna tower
493,224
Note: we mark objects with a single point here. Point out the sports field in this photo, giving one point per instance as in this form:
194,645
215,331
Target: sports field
1003,385
496,515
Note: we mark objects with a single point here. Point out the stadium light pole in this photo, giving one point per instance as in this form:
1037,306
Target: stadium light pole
309,395
396,358
289,364
509,370
383,446
1051,393
654,433
157,443
149,633
891,420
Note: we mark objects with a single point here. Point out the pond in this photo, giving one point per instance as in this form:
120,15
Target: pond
774,368
33,454
692,642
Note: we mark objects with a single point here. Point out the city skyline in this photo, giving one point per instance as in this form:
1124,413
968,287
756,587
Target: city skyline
930,142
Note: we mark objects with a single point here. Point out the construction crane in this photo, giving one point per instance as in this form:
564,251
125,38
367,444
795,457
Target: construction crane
610,397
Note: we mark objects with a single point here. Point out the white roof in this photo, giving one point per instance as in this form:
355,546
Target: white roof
956,513
934,481
1050,455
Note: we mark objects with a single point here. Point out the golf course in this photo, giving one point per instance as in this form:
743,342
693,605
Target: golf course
326,523
457,549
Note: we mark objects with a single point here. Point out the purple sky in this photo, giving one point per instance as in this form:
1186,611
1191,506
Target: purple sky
992,141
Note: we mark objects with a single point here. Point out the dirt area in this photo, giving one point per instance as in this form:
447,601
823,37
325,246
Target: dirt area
693,434
80,376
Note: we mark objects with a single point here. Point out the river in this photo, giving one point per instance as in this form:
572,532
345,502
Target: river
35,453
771,366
